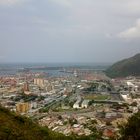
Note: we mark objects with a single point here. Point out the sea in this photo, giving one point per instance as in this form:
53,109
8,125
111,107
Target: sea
52,69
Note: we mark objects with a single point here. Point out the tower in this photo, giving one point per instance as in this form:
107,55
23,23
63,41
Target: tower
26,86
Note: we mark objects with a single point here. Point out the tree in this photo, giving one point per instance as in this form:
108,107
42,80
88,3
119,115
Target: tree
60,117
131,130
134,104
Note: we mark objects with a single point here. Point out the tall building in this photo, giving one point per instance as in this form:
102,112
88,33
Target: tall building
40,82
23,107
26,86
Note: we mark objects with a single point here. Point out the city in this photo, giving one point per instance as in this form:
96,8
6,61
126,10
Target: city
70,70
76,102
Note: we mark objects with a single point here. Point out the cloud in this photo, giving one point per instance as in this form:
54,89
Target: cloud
127,6
39,20
10,2
133,6
66,3
131,33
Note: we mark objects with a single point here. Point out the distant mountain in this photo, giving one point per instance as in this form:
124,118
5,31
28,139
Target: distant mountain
126,67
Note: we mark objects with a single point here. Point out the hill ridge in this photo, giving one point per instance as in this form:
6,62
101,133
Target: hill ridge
126,67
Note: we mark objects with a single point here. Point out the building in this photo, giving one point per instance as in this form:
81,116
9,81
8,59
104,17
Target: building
23,107
85,104
26,86
40,82
33,105
77,103
49,88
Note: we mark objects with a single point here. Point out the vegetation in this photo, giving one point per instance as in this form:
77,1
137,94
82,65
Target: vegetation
126,67
15,127
98,86
131,130
96,97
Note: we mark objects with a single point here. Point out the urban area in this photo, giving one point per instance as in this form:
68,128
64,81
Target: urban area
78,102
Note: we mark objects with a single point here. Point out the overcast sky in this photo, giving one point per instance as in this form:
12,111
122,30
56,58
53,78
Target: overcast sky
69,30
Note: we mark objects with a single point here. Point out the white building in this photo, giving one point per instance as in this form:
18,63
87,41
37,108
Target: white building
77,103
85,104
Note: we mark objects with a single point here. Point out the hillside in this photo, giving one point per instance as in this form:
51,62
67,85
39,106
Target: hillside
14,127
131,129
126,67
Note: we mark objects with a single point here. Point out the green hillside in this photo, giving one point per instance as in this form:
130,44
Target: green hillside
14,127
131,129
126,67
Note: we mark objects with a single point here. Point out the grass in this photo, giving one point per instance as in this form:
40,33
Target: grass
97,97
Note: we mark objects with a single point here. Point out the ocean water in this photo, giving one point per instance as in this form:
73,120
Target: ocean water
52,69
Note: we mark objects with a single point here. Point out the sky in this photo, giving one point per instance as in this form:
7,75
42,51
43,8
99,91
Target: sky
70,31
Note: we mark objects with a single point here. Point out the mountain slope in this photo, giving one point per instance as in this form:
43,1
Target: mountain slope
131,129
14,127
126,67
